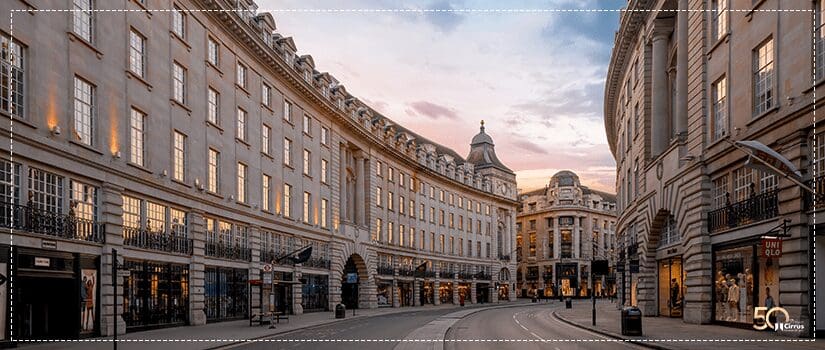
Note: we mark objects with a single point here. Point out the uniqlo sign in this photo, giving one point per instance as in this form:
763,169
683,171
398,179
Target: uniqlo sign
771,248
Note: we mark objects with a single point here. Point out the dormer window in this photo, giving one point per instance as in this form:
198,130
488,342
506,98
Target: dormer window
306,76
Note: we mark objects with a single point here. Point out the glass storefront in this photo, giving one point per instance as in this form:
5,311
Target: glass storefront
226,293
671,287
427,293
314,292
405,291
155,294
464,292
741,280
445,292
568,278
384,291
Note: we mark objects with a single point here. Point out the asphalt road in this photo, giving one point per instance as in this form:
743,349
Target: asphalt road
387,328
525,328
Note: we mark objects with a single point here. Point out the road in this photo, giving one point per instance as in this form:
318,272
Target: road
526,327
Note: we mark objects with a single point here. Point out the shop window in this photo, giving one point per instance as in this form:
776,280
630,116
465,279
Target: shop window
742,281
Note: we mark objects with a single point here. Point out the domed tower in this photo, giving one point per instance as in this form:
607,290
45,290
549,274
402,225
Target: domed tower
565,178
483,157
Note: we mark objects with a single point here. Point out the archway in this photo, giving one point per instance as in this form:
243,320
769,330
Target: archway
503,284
354,274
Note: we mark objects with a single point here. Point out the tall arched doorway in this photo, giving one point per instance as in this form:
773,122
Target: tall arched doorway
355,273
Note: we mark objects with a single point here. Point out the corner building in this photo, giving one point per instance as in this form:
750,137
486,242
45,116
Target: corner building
560,230
203,148
681,87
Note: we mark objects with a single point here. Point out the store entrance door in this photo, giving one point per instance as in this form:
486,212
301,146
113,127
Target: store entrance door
671,287
46,304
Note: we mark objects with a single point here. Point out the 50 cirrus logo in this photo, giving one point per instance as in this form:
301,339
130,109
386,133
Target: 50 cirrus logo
763,318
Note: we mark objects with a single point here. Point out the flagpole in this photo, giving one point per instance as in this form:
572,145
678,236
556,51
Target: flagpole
794,180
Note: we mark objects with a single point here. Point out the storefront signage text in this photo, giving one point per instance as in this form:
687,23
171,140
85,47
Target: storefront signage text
42,262
48,244
771,248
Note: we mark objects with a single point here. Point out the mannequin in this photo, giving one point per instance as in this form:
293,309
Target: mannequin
743,297
733,299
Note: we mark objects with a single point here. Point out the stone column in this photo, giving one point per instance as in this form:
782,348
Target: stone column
112,217
297,293
473,294
396,292
436,292
680,122
660,131
455,291
556,239
255,268
197,268
416,285
361,186
344,185
576,237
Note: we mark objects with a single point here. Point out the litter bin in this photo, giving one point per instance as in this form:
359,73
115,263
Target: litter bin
568,303
340,311
631,321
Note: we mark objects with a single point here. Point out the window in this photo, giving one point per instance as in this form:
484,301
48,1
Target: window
452,221
83,202
421,211
378,197
307,124
12,75
137,53
213,52
179,157
131,212
767,182
307,162
265,139
441,217
390,174
376,237
324,222
287,201
441,243
719,18
137,121
288,152
379,171
324,171
9,182
432,241
83,19
266,182
46,191
441,196
213,100
432,215
307,207
401,231
178,83
390,232
390,200
83,111
819,50
178,225
242,182
266,95
412,208
324,136
155,217
241,124
402,179
179,22
287,111
469,248
401,204
452,245
763,78
670,232
719,108
241,75
213,171
742,180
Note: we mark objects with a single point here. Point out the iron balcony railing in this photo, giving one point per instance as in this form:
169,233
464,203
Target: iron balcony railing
319,262
429,274
385,270
406,271
504,257
225,251
465,275
29,219
483,276
757,208
160,241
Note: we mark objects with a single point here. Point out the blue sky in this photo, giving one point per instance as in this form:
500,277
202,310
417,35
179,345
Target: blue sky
536,78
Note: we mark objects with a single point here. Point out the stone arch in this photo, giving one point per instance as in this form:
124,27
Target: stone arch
364,267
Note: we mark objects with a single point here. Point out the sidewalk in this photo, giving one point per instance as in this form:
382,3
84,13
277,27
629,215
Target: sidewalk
218,334
670,333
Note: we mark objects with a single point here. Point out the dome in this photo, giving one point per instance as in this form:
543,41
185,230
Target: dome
483,153
565,178
481,137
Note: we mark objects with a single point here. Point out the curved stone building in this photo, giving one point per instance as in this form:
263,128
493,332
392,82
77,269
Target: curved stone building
209,153
681,87
560,229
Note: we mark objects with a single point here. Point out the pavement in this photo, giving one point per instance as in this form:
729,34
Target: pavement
673,334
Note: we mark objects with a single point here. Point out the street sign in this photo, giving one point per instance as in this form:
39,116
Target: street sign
267,278
124,273
771,248
255,282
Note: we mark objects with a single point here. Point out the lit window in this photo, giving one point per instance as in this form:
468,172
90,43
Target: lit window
324,136
378,198
390,200
266,95
307,162
178,83
179,157
242,182
287,111
13,77
136,134
213,172
213,52
83,20
719,108
213,100
137,53
324,169
288,152
266,181
83,111
307,207
719,18
324,222
241,124
763,78
307,124
287,201
178,22
241,75
265,140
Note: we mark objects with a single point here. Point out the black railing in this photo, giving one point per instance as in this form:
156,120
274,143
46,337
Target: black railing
429,274
759,207
504,257
319,262
385,270
483,276
224,251
159,241
406,271
465,275
18,217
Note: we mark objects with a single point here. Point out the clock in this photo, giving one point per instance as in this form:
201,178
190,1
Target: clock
502,189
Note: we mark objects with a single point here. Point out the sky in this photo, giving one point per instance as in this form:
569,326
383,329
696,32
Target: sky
535,78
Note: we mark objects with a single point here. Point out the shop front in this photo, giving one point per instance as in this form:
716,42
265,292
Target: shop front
482,293
49,283
464,292
277,296
226,293
315,292
671,287
384,292
743,279
445,292
155,294
503,291
427,293
567,279
405,293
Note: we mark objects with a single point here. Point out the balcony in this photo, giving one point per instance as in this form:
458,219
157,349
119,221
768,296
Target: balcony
483,276
465,275
317,262
757,208
224,251
429,274
18,217
160,241
406,271
503,257
385,270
